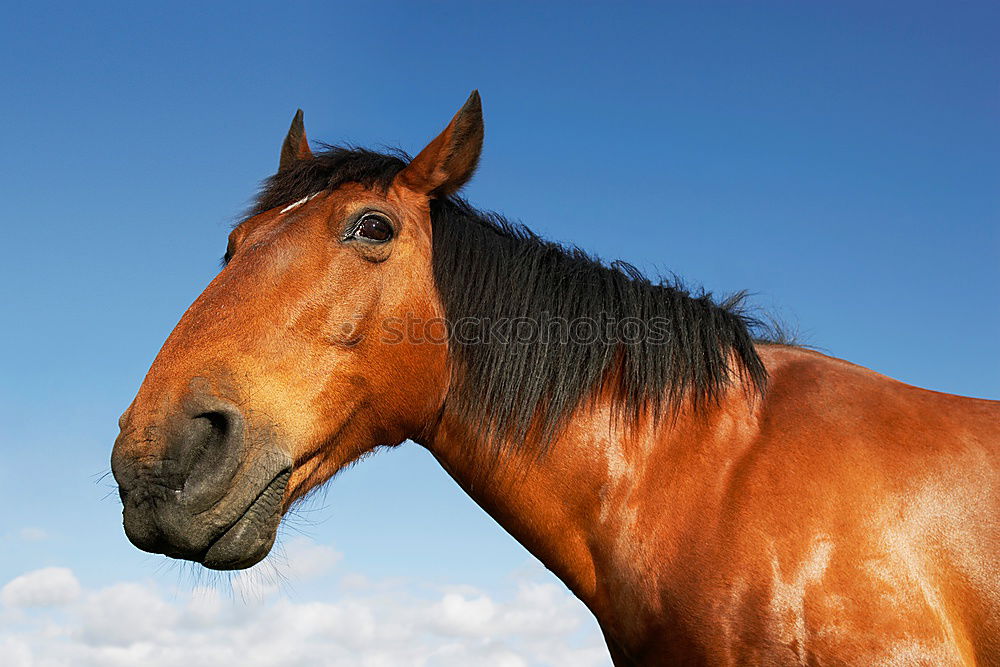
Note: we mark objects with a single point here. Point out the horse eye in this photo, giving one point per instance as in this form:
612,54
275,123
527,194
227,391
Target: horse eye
374,228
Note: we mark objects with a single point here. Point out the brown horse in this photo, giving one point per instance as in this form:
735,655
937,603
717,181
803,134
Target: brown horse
712,497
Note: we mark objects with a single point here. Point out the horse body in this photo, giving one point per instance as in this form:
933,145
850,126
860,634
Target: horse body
844,518
711,499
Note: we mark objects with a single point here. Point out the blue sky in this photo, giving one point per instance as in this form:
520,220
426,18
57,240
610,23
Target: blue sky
838,160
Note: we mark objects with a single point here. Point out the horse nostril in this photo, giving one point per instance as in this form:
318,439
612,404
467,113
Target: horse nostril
200,435
206,447
217,426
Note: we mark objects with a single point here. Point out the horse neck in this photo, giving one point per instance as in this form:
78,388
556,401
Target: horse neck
573,506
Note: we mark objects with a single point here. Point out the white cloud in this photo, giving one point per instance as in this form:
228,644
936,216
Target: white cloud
48,587
372,623
457,614
124,614
294,562
305,559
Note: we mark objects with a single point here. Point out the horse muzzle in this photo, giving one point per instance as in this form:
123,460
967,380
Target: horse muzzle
200,485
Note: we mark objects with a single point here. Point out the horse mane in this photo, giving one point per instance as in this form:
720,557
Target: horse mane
498,280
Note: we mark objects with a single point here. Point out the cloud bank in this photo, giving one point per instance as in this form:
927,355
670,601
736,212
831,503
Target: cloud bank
49,620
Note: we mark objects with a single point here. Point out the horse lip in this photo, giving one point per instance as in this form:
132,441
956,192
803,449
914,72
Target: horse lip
250,536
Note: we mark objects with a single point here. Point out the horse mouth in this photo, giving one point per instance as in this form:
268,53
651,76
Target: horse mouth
250,537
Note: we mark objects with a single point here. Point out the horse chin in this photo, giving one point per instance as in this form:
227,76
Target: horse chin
250,538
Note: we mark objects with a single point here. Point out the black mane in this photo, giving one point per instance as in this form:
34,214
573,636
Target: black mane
490,271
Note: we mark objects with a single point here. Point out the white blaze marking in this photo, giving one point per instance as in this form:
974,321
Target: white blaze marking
298,203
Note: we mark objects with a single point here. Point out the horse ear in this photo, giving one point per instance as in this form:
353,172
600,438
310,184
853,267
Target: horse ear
448,162
296,146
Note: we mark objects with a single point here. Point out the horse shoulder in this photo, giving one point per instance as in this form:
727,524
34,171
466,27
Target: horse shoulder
854,495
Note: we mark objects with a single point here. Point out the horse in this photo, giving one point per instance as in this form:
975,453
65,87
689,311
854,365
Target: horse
714,496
